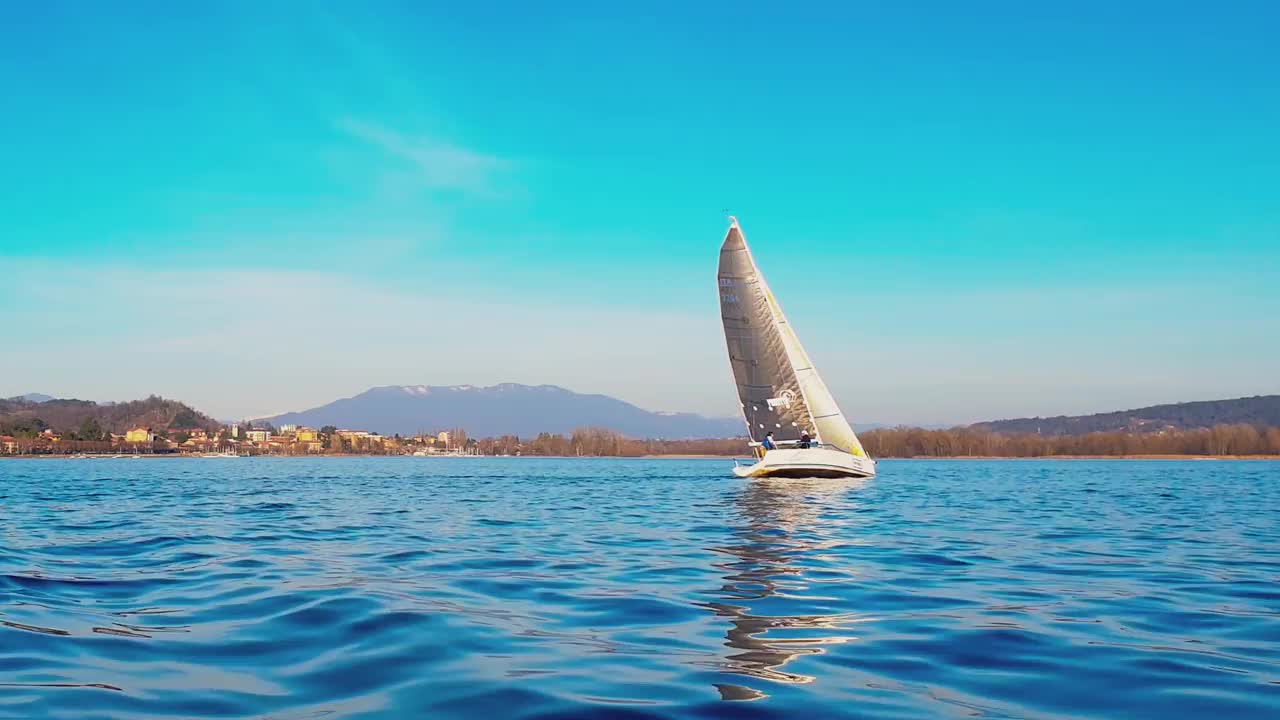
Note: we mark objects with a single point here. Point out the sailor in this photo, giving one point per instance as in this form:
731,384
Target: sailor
767,443
804,441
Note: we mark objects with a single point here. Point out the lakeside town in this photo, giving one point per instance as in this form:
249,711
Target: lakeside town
239,440
249,440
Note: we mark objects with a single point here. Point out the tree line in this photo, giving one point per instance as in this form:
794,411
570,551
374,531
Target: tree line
900,442
1237,439
600,442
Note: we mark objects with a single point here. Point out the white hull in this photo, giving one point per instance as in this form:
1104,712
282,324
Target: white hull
813,462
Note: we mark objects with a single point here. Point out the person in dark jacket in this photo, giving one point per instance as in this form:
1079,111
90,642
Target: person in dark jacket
767,443
805,441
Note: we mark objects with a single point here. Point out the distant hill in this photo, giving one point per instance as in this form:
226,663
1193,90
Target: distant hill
22,416
34,397
1262,410
506,409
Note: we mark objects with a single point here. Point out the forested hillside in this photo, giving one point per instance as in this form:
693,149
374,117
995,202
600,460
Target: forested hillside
1260,411
86,420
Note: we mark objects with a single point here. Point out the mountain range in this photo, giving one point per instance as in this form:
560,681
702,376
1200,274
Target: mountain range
506,409
525,410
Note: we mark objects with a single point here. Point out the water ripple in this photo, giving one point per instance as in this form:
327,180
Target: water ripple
541,588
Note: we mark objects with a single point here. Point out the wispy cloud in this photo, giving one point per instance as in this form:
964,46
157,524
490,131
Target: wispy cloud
257,342
438,165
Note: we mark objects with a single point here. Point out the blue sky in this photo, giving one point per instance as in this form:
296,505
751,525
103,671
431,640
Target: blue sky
969,210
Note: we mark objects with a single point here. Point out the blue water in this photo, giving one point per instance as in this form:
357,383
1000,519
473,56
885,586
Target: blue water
529,588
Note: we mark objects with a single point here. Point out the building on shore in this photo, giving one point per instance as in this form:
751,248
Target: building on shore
196,433
139,435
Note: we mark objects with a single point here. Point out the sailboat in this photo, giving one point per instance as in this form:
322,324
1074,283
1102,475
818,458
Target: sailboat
778,386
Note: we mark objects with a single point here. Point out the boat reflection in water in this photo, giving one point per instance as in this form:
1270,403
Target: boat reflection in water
775,579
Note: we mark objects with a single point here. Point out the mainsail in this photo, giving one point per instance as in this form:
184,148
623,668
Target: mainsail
780,390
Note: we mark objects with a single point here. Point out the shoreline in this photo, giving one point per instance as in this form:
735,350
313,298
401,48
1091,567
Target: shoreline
674,456
1086,457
